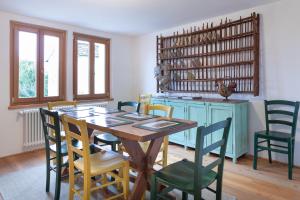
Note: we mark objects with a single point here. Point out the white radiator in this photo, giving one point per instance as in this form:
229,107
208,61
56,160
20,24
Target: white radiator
33,136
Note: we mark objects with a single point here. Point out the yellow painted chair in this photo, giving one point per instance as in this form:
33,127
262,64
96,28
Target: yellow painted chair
90,165
57,104
144,99
164,148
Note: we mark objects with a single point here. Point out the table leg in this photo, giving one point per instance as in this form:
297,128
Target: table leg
143,162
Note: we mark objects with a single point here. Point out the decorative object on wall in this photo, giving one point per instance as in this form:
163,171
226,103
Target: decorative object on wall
225,90
162,74
196,58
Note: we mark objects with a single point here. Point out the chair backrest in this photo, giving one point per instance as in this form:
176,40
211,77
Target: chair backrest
53,127
167,109
76,130
52,105
134,104
145,99
200,150
282,112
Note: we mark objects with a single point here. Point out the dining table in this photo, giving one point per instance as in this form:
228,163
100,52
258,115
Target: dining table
132,128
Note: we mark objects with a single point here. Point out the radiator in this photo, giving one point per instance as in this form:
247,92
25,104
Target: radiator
33,136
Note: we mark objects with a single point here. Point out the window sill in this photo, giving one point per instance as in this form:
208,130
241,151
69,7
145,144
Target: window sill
28,106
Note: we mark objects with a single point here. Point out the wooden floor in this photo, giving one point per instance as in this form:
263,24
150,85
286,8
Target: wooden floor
240,180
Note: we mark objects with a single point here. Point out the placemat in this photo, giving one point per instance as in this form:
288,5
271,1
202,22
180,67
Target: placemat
107,121
159,125
137,116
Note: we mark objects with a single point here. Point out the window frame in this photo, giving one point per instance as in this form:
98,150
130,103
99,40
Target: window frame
92,40
40,31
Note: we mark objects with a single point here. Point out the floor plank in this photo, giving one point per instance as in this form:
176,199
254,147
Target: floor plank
269,182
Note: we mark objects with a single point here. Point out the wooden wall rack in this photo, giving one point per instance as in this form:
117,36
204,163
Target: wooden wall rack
197,57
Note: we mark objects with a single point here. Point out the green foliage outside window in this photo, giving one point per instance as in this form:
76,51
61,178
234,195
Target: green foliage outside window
27,79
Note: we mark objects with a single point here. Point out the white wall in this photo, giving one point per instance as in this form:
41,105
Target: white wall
121,74
279,65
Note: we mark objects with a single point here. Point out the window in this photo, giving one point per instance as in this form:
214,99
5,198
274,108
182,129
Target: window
91,67
37,64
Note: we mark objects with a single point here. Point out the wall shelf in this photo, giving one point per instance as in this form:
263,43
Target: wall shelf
197,57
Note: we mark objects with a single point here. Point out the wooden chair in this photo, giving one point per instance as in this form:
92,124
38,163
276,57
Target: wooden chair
192,177
54,146
91,165
56,104
109,139
164,149
144,99
277,113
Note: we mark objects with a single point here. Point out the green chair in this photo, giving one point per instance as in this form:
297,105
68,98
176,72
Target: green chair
192,177
54,145
109,139
284,114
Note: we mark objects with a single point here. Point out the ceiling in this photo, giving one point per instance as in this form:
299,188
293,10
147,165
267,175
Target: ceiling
132,17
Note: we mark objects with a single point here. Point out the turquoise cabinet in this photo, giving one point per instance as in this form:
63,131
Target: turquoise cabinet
209,111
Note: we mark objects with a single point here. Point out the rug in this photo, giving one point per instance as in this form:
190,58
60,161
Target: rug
30,184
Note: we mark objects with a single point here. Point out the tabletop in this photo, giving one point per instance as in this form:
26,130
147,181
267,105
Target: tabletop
128,125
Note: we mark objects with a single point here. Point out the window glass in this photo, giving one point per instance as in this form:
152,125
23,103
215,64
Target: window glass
51,66
99,76
27,64
83,67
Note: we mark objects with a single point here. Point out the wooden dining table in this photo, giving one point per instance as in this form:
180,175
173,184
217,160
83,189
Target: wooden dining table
131,132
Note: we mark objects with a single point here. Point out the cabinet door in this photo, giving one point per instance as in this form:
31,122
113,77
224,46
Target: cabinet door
178,112
195,112
219,113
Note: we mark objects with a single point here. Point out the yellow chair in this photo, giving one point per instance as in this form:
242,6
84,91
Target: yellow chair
144,99
102,163
164,148
57,104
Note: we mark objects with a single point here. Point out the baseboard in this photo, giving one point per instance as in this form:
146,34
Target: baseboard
22,153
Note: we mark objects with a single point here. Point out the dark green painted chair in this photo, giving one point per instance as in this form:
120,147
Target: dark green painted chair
284,114
192,177
109,139
54,144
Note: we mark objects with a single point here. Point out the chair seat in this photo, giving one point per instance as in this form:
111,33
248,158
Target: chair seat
107,138
64,149
102,162
181,175
274,135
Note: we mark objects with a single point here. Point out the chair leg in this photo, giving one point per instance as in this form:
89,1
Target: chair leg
255,152
86,187
125,175
198,194
293,152
153,191
71,182
165,151
47,171
290,160
95,140
219,189
184,195
114,147
269,152
58,181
